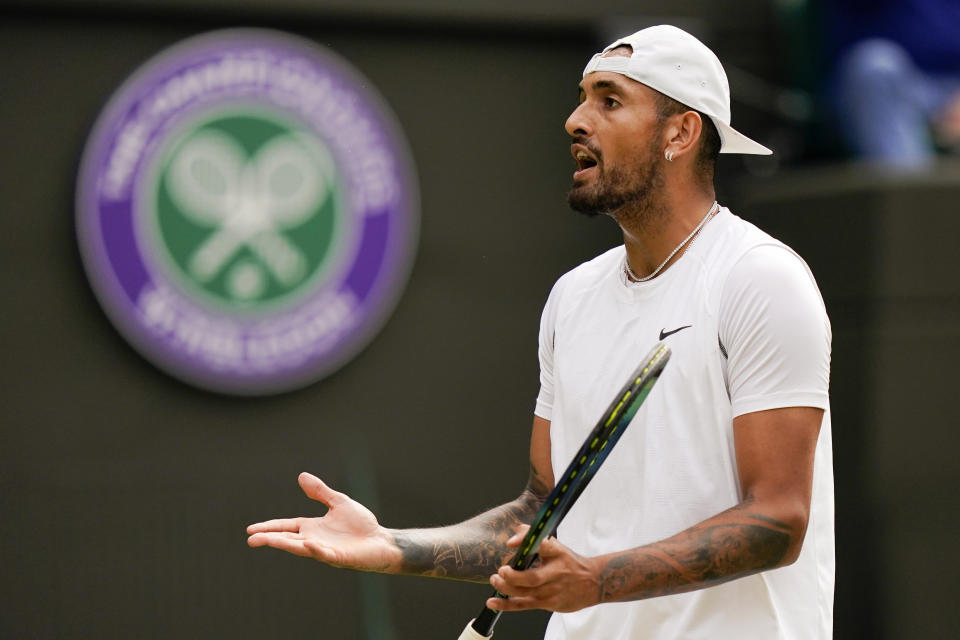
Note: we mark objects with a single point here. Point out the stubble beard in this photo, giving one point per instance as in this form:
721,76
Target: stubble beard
630,195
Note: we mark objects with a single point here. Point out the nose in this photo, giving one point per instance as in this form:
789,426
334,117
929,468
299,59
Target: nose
577,123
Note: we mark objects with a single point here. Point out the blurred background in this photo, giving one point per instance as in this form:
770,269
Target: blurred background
125,493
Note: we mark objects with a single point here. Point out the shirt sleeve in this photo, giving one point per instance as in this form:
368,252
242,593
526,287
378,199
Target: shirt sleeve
548,321
775,331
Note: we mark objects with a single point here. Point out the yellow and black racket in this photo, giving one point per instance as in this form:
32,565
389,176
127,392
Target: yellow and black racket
591,455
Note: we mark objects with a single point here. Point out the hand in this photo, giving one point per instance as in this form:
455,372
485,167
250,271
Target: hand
561,581
347,536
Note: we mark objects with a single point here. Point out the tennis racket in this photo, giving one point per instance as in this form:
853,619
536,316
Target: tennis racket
592,453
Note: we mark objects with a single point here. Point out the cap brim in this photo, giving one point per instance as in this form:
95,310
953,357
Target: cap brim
732,141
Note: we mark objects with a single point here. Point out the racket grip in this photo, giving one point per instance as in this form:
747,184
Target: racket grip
469,633
483,624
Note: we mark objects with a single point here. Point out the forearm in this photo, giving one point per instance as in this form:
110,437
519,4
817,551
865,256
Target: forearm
733,544
471,550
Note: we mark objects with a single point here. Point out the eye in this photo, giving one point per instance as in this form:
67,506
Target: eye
610,103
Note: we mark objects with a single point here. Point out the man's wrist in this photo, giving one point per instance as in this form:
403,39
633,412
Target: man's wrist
598,566
394,554
594,568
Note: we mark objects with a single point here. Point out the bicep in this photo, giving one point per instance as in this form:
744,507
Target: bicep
776,331
541,468
775,451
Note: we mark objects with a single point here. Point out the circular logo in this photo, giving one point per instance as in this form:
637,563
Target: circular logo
247,211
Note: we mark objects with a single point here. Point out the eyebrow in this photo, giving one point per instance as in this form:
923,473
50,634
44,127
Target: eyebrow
603,84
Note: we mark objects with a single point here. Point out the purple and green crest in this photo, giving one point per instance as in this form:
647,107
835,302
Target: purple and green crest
247,211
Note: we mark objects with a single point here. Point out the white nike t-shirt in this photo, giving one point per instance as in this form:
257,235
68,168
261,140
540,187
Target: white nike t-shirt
748,330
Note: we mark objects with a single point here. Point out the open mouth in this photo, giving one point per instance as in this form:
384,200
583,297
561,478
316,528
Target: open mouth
584,158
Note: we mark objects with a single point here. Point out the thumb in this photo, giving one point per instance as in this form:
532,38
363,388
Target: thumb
316,489
517,537
551,547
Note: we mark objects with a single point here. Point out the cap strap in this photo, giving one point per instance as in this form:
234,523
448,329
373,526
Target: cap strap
617,64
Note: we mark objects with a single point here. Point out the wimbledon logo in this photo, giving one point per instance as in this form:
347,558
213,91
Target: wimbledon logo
247,211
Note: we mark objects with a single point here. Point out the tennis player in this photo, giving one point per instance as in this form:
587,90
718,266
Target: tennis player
714,516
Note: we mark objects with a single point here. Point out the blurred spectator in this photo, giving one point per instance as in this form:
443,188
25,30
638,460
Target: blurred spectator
896,77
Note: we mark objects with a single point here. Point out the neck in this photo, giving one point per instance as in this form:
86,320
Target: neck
652,232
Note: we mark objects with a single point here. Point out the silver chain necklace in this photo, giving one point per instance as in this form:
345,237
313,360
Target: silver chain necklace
714,208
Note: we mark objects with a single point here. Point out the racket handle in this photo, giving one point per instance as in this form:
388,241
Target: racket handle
469,633
483,624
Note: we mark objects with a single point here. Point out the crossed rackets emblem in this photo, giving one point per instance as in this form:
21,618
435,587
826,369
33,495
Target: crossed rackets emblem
249,201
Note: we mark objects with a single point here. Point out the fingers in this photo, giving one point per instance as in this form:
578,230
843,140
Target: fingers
532,577
514,604
542,587
278,525
551,548
316,489
511,582
289,542
530,589
296,544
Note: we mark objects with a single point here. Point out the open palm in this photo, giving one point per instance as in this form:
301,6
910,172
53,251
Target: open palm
347,536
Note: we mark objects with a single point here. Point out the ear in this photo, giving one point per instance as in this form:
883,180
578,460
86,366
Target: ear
683,134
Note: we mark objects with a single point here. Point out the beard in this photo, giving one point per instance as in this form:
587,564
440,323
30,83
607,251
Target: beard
627,194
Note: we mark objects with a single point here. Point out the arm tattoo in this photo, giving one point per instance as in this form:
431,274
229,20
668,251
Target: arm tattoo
475,549
538,485
732,545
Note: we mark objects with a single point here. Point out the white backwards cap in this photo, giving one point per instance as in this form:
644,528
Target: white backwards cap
678,65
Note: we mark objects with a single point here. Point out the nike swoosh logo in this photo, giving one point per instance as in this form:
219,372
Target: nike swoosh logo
664,333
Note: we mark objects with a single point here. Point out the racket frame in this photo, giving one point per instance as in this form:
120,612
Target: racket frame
594,450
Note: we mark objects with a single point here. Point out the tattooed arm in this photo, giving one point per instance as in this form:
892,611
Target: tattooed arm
475,549
348,535
765,530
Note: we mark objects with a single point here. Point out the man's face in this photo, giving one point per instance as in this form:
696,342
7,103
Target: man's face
617,140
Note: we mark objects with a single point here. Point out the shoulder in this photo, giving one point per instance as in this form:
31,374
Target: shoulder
740,254
769,266
733,237
758,264
590,274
